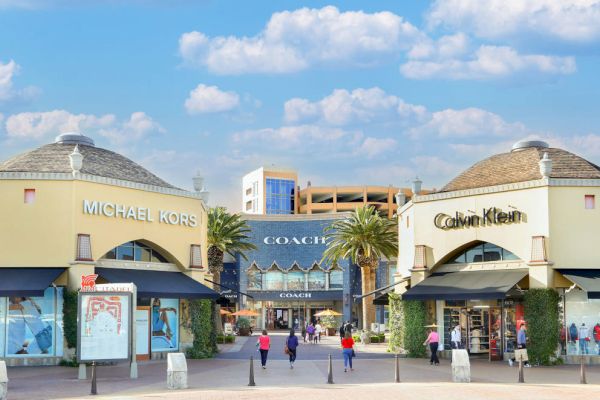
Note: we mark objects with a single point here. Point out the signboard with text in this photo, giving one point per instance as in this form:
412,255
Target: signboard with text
104,326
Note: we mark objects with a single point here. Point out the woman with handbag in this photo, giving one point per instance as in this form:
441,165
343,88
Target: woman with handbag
348,351
291,344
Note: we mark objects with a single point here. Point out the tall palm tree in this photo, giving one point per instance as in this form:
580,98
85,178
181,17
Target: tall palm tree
364,237
226,234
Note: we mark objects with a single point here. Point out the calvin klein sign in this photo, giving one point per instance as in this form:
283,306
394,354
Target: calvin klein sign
489,216
284,240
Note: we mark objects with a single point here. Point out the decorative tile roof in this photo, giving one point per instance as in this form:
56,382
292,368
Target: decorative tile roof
96,161
521,166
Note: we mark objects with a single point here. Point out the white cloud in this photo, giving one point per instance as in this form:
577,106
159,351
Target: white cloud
430,166
291,136
210,99
343,107
139,126
372,147
36,125
40,125
295,40
468,122
7,92
488,62
569,20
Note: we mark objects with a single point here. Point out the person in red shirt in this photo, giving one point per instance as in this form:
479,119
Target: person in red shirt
264,344
348,350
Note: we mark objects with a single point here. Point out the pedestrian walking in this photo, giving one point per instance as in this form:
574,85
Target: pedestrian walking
521,344
455,338
264,344
433,340
342,331
291,345
348,327
311,332
318,330
348,351
304,332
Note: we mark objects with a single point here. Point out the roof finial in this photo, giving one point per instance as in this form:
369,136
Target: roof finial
545,166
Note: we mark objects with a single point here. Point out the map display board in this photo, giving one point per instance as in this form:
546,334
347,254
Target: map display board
105,326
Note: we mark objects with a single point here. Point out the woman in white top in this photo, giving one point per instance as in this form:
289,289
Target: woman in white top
318,329
455,337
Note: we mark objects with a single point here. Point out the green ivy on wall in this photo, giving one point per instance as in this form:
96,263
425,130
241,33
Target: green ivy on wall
543,325
202,326
70,318
395,323
414,314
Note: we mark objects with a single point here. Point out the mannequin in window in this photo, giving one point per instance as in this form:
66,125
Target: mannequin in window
584,338
596,334
475,342
572,336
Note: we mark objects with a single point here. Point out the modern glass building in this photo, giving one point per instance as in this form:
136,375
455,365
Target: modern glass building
280,196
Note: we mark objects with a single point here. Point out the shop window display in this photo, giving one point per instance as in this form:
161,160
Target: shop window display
33,325
582,331
316,280
274,280
255,280
3,301
165,324
295,280
336,279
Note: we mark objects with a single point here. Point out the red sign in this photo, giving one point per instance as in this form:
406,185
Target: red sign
88,282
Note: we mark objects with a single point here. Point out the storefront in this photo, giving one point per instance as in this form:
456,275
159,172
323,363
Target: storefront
514,221
285,278
71,209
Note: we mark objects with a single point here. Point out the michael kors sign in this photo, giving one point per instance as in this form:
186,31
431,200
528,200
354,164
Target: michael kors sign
135,213
488,217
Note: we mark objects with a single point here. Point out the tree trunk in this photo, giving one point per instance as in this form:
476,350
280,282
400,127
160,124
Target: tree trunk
367,284
215,266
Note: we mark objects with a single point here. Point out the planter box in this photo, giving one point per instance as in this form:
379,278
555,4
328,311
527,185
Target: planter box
244,331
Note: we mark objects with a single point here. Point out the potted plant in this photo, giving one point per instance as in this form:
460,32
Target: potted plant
243,325
330,324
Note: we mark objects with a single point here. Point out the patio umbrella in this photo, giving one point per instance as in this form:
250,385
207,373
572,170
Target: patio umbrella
224,312
328,313
245,313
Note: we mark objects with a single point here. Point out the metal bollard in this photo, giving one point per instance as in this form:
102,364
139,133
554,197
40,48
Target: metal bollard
521,372
94,390
251,379
397,369
330,371
582,378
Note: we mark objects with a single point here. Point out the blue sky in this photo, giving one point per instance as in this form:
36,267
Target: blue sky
345,92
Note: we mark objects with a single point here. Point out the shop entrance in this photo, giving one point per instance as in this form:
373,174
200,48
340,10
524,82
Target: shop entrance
481,326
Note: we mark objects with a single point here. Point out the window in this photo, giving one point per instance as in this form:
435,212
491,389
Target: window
135,251
165,324
32,325
483,252
295,280
249,205
336,279
316,279
255,279
274,280
29,196
195,256
280,196
84,247
248,191
590,201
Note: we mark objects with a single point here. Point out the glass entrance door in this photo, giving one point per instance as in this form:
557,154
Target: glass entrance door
478,333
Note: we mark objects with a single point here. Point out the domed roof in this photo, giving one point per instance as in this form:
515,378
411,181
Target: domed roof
521,165
54,157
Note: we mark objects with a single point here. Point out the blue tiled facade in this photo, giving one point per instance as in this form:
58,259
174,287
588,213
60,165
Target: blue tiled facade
289,242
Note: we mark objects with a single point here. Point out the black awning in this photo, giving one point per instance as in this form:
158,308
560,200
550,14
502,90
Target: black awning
159,283
587,279
382,297
26,281
466,285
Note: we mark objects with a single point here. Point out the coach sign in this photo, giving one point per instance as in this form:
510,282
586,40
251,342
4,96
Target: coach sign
313,295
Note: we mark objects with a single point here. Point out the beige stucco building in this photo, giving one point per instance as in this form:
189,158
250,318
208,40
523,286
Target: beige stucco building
70,209
523,219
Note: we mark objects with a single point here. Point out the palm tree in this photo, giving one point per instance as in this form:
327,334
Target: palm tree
226,234
364,237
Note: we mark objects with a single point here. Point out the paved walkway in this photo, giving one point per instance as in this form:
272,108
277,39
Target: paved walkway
227,376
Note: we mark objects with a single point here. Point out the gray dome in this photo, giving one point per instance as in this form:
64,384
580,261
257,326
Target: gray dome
74,138
526,144
54,157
